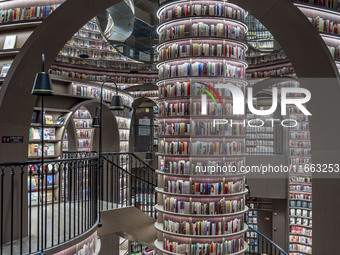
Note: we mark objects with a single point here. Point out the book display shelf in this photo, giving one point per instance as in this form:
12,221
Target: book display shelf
16,25
53,145
266,59
29,13
103,62
256,205
82,121
260,138
201,45
300,184
325,17
258,35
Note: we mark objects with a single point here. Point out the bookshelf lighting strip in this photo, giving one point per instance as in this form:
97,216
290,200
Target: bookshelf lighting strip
201,38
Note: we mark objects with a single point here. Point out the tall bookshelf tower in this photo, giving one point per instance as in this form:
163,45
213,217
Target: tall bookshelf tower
201,47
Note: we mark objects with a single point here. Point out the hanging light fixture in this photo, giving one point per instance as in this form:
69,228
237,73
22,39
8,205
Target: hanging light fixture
96,121
42,84
116,101
148,156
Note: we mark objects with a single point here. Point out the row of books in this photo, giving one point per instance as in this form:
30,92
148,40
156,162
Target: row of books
302,204
205,9
82,114
300,161
89,43
259,142
300,152
300,213
335,51
203,207
270,73
84,143
94,92
301,230
226,247
89,35
123,123
325,25
301,144
201,69
332,4
201,29
299,135
168,109
112,61
189,187
266,58
302,179
35,181
101,78
188,167
300,248
124,147
260,150
86,123
300,196
35,133
34,197
36,149
71,51
187,88
204,227
262,44
201,50
301,127
301,188
260,129
300,221
151,93
124,134
27,13
259,136
200,148
200,128
300,239
84,133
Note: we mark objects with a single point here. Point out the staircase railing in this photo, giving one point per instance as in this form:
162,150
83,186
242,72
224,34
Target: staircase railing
43,206
124,170
260,244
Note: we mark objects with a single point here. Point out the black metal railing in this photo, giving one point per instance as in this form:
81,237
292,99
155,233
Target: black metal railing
46,205
127,180
260,244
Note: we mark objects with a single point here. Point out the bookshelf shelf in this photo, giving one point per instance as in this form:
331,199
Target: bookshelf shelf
19,25
47,141
297,234
201,175
161,190
204,39
159,227
160,208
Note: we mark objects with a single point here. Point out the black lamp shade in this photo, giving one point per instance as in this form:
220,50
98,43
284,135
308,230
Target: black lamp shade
148,156
42,85
95,122
116,103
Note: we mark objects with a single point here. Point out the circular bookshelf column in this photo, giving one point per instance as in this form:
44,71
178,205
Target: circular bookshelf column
201,192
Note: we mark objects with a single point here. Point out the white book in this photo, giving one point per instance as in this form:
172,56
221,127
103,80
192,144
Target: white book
10,41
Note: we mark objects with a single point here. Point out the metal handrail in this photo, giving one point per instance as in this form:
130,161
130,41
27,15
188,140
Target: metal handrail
268,240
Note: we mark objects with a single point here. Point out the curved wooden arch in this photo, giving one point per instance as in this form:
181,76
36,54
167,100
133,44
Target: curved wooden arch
304,47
